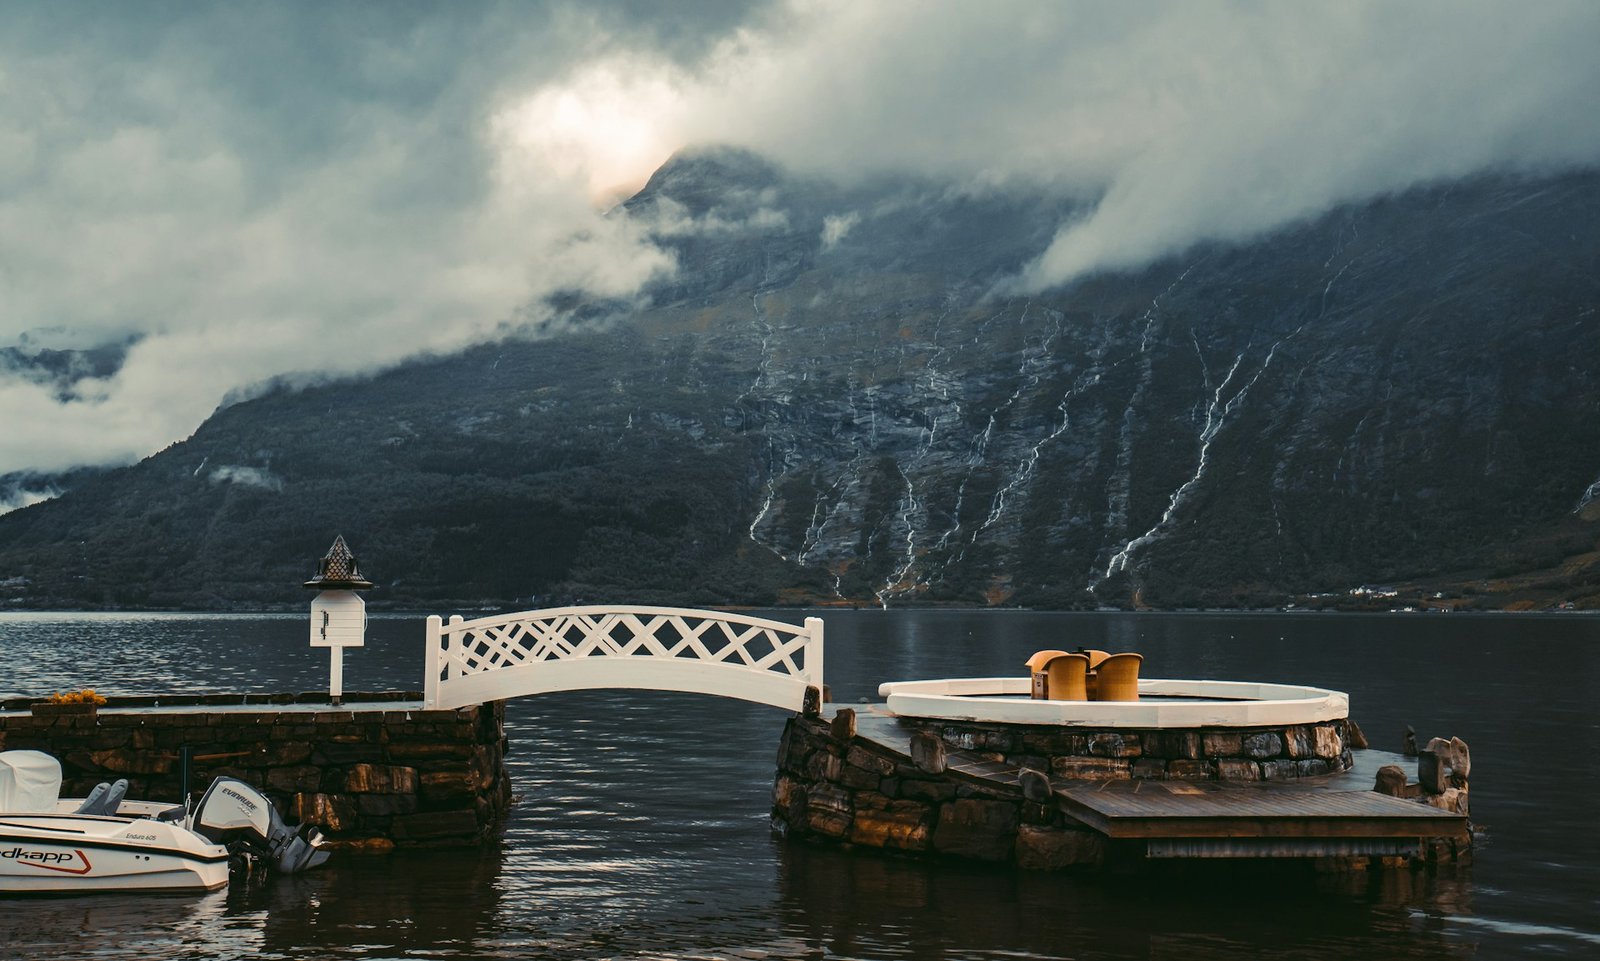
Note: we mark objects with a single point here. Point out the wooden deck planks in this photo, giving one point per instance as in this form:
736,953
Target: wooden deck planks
1169,809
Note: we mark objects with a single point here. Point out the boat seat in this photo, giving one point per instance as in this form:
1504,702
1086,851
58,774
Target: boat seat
104,800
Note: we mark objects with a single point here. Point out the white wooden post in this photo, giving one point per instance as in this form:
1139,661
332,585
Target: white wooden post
814,653
430,662
453,648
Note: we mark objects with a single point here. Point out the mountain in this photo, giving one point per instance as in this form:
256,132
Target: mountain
829,403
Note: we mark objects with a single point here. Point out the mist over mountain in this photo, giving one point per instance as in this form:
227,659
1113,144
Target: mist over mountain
834,400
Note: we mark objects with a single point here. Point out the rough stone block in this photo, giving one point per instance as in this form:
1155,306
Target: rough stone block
930,791
1430,772
1035,786
289,780
1185,769
857,779
828,810
1238,769
380,779
281,754
389,805
1326,742
429,750
788,800
1109,744
1149,767
843,726
811,703
444,788
1091,768
1391,780
963,739
1298,742
1047,743
976,739
985,830
1052,849
793,749
927,753
1460,759
1313,767
128,761
1263,745
894,825
1219,744
867,761
824,766
1172,744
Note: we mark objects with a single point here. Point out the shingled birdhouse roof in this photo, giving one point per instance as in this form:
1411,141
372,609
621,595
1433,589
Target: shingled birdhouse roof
338,571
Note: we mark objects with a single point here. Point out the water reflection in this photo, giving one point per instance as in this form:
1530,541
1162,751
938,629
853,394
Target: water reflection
850,905
641,825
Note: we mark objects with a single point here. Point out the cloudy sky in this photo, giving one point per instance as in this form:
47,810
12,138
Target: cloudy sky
251,191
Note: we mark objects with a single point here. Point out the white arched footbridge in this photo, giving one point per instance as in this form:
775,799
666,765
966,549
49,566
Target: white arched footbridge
649,648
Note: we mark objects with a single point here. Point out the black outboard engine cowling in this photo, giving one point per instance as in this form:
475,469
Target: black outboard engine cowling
232,812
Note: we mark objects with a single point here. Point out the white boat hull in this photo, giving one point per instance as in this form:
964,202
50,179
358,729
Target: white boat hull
59,852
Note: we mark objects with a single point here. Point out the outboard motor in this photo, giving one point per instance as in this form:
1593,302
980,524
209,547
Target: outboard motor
234,814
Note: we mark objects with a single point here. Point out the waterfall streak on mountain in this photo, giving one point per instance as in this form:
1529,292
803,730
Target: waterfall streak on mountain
766,505
908,506
1217,417
1121,484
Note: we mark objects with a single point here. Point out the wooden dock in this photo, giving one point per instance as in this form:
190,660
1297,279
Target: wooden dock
1216,819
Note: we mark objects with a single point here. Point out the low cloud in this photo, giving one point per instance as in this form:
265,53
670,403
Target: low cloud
244,215
246,477
1189,122
24,497
666,217
251,192
836,226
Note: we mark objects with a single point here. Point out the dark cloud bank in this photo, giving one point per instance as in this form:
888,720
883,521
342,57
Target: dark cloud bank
244,192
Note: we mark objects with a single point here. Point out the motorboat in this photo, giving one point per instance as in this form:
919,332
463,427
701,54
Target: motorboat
107,842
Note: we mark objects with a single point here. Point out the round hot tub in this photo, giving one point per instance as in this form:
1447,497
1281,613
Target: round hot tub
1177,730
1163,704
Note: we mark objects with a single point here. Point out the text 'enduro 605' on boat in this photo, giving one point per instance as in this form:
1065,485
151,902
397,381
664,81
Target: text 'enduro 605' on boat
107,843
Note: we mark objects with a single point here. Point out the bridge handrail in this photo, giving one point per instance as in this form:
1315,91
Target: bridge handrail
528,652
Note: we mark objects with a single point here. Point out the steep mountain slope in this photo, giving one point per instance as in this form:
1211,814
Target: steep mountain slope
828,403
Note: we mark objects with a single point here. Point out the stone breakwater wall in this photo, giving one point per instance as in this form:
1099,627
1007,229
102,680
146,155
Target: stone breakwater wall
1232,754
834,786
372,776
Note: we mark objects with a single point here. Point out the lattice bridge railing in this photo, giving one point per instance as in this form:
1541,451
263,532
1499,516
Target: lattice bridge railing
651,648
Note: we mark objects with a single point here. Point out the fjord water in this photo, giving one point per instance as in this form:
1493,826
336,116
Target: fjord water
641,826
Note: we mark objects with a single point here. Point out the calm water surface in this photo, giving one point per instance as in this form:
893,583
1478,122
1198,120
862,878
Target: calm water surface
641,826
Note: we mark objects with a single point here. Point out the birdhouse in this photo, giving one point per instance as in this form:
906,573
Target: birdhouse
338,614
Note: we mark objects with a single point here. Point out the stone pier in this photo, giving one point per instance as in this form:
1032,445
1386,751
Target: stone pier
375,773
1049,798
